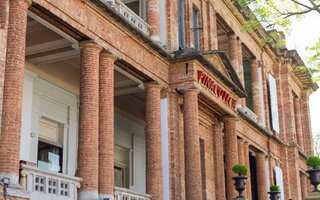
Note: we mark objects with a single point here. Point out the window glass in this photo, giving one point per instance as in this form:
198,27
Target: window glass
50,148
181,23
122,167
248,83
196,28
49,157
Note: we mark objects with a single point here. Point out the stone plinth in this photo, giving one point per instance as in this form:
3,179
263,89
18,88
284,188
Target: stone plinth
240,198
313,196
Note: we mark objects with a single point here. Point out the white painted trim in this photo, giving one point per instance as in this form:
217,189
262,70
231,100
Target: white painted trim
165,149
88,195
106,197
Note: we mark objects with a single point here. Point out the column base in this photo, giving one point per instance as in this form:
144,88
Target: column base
313,196
88,195
14,178
15,191
240,198
106,197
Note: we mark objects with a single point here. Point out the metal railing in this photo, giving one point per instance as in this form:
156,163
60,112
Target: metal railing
125,194
44,184
129,15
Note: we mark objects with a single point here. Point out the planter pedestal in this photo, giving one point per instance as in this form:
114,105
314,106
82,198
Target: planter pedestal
313,196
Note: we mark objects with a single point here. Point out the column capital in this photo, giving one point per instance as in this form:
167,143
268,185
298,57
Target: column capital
107,54
226,118
189,87
29,2
152,84
90,44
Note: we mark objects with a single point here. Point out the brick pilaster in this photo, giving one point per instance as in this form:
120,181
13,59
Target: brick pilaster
304,185
234,53
153,141
306,122
88,150
213,35
153,19
286,71
297,112
240,151
293,160
12,91
191,145
261,176
247,164
256,96
175,147
218,161
106,125
231,154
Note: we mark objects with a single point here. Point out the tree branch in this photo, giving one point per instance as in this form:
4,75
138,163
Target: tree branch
301,4
315,6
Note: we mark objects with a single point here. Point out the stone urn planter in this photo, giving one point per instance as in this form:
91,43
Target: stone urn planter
274,192
314,177
314,173
240,180
240,184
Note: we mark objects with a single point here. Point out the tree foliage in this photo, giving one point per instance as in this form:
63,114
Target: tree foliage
279,15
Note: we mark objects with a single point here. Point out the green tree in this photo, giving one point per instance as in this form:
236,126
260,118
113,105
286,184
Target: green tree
279,15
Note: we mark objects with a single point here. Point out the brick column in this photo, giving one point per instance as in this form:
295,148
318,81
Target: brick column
247,164
240,151
256,96
297,112
153,141
106,125
304,185
88,150
12,91
153,19
219,160
306,122
191,145
261,176
231,154
4,19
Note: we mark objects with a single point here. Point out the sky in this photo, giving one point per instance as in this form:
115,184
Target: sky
305,33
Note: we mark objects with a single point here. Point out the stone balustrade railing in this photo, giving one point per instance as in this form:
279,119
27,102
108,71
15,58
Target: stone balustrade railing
129,15
42,184
125,194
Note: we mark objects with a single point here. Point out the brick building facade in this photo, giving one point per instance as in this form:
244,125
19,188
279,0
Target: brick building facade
147,99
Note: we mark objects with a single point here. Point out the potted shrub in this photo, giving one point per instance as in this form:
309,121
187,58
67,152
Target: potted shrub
274,192
240,180
314,173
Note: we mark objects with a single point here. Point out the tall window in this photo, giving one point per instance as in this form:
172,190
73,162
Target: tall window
181,23
195,14
248,83
121,167
50,145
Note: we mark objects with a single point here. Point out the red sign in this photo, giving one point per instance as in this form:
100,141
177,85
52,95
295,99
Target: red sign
216,89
